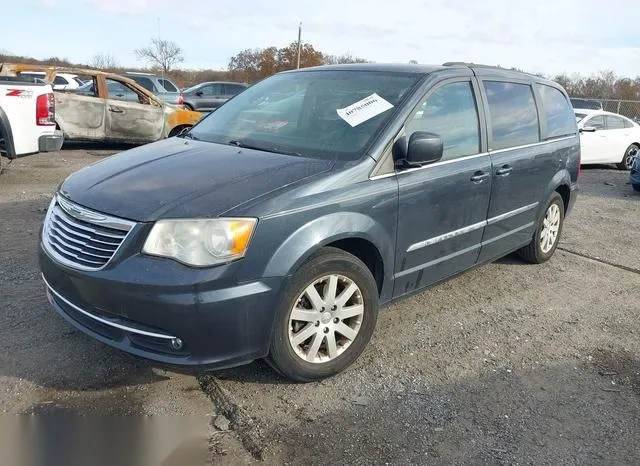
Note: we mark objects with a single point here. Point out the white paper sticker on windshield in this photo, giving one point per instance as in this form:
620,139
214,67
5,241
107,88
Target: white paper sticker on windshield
364,110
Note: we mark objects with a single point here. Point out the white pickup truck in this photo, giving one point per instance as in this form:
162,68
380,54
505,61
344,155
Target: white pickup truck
27,118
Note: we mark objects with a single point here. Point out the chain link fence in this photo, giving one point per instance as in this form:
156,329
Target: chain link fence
628,108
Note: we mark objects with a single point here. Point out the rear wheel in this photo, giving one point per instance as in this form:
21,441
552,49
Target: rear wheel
326,317
545,241
629,155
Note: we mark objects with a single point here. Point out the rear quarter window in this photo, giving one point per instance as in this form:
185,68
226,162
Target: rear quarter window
513,114
557,112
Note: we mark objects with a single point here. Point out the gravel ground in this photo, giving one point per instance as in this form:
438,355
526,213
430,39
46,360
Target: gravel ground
508,364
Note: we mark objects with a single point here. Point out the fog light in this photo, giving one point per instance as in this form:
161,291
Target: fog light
176,343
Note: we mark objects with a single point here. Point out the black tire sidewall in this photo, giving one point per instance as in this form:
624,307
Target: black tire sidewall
542,256
328,261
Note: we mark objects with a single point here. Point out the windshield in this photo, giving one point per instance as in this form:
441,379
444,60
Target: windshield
297,113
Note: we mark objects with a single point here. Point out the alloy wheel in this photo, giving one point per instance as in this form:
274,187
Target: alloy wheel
551,226
326,318
630,156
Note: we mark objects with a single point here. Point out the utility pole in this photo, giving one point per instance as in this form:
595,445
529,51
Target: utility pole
160,45
299,43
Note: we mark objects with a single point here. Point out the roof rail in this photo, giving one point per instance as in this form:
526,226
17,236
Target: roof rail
474,65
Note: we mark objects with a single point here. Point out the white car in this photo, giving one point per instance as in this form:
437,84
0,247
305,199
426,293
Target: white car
607,137
62,81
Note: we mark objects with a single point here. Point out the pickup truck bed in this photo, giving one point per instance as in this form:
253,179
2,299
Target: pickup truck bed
27,118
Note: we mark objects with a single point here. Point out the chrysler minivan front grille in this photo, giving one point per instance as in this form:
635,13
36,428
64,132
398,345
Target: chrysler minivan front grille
82,238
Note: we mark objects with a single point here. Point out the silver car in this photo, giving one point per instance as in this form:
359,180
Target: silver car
208,96
162,87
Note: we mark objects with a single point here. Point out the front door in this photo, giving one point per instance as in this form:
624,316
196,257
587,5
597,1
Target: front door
443,206
130,116
81,116
596,144
211,96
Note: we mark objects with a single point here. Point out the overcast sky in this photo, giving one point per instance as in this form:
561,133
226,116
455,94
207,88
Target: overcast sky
548,36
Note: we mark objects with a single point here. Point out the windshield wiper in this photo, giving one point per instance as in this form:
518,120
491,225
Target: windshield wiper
273,150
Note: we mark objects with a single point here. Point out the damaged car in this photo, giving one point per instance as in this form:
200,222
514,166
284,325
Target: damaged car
113,108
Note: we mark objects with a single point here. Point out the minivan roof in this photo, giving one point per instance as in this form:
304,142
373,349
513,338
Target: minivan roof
478,69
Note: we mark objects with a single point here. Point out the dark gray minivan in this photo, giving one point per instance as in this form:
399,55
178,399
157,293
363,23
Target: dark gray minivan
279,224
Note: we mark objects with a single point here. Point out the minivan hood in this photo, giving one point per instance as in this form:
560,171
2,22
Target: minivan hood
178,178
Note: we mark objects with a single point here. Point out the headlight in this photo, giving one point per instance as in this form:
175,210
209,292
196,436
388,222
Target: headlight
200,243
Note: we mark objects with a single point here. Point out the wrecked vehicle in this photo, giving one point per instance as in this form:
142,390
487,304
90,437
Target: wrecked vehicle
112,108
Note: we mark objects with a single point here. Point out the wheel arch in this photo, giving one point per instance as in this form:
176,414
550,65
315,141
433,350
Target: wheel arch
352,232
176,130
7,133
560,183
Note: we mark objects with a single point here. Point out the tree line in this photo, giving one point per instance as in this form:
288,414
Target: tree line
251,65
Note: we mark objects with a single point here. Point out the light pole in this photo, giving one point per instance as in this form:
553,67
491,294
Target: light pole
299,43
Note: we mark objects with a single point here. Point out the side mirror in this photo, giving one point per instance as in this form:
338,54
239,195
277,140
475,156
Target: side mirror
199,93
588,129
423,148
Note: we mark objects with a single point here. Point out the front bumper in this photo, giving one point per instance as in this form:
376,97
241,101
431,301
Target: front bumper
51,142
144,304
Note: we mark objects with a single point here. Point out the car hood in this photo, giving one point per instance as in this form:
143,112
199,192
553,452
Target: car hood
178,178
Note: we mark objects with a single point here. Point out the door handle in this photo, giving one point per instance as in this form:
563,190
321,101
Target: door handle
115,110
505,170
480,176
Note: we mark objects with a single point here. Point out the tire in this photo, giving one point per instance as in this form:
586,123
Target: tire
188,107
175,131
310,356
535,252
636,187
627,160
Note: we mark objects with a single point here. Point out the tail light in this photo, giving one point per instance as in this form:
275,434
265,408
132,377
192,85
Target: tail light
46,110
180,99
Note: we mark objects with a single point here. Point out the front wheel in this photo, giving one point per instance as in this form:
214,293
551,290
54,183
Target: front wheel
326,317
629,155
547,235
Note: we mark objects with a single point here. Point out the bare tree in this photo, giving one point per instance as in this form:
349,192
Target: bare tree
103,61
161,53
342,59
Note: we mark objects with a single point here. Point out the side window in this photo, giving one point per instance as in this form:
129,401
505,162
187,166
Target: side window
627,123
145,82
215,90
596,122
451,112
60,81
168,85
513,114
236,89
614,122
207,90
558,113
119,91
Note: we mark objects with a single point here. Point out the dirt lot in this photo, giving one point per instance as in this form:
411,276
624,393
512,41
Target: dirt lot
508,364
